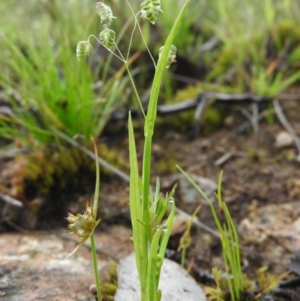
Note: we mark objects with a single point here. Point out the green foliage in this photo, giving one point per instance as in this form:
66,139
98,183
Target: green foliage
149,235
150,238
191,33
41,82
259,46
229,239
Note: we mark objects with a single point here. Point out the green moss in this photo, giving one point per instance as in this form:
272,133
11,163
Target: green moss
65,170
167,164
286,31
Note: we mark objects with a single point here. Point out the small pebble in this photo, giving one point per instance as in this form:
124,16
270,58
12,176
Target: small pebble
93,289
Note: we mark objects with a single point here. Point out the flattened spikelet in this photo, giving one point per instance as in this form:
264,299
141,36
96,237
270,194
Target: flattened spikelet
171,56
84,49
150,10
105,13
107,37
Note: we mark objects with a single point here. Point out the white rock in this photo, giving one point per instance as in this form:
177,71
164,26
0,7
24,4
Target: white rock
175,283
283,139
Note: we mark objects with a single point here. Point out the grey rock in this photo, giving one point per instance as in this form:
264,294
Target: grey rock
190,195
175,283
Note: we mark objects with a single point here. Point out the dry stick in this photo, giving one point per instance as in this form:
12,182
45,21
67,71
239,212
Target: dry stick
263,114
229,155
223,158
10,200
193,103
280,115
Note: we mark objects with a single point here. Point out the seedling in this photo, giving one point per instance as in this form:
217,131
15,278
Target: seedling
229,240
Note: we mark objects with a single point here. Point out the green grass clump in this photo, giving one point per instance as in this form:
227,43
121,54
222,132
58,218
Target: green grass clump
40,81
230,246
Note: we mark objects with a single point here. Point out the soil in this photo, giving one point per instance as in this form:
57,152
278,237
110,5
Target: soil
261,186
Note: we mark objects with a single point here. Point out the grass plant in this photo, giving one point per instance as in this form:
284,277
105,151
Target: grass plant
43,86
46,90
147,208
149,237
230,245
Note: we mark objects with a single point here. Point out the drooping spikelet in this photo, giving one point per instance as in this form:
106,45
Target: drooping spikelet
107,37
150,10
105,13
171,56
84,49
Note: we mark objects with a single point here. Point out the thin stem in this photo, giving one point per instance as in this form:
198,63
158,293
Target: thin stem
97,186
135,90
151,117
132,33
120,58
125,61
140,29
183,255
95,266
138,25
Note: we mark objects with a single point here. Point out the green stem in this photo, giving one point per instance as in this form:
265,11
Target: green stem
135,89
150,120
95,266
183,255
97,186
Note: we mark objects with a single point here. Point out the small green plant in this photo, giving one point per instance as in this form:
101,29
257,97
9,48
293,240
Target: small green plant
85,224
230,243
147,208
234,282
150,238
186,239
